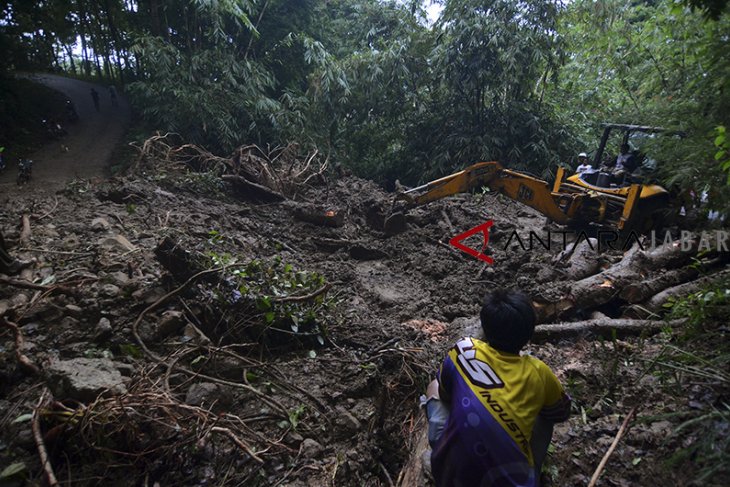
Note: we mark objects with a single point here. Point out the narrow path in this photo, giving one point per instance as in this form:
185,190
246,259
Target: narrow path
90,141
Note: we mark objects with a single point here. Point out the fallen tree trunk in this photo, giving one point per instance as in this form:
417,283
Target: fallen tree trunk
25,230
253,191
643,290
599,289
603,327
319,216
656,304
580,261
414,471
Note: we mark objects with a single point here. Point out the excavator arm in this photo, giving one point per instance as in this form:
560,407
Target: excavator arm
480,174
531,191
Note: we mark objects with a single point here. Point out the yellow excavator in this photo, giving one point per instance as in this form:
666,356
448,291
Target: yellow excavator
589,199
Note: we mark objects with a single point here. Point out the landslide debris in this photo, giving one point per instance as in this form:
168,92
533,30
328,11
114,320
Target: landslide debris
257,340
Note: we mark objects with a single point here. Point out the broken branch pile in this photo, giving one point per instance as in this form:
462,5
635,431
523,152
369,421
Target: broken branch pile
268,175
148,429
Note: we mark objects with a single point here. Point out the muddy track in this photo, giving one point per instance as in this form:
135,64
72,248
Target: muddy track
90,141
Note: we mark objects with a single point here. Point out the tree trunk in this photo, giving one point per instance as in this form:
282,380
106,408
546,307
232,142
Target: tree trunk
656,304
71,59
115,36
603,327
253,191
599,289
643,290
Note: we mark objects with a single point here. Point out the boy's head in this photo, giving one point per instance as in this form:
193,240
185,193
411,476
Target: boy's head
508,320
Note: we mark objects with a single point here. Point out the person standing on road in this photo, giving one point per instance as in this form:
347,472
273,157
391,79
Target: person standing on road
95,97
113,96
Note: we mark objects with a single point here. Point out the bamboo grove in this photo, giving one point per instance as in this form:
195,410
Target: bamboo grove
392,92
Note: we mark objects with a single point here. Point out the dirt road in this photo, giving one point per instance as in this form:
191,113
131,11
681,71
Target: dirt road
90,142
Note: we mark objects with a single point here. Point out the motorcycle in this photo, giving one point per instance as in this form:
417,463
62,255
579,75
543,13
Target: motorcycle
72,115
54,129
25,168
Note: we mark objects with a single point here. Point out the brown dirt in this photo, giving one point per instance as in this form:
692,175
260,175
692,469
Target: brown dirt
356,395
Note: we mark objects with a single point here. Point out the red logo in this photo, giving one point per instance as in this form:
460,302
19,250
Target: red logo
484,229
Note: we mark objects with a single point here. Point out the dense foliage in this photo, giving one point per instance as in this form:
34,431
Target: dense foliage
390,94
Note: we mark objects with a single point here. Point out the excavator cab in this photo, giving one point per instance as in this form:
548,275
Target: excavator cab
652,202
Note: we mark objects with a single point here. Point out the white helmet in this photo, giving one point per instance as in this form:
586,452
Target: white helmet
583,154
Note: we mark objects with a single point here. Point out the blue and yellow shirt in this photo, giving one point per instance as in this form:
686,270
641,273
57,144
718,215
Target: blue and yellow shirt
494,398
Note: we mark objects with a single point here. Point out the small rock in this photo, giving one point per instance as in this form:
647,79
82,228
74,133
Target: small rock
191,333
170,322
294,437
29,329
74,310
149,296
71,242
127,370
470,327
24,438
84,379
118,242
103,330
119,278
109,290
69,322
310,448
208,394
597,315
162,192
100,223
19,300
661,428
347,425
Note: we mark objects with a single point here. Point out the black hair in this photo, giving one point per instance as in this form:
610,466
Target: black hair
508,320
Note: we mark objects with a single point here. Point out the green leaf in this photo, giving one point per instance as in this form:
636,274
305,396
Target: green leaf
197,359
294,328
269,316
635,461
12,470
264,303
130,350
23,418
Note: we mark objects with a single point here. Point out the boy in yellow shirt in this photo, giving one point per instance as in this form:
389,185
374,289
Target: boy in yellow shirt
491,410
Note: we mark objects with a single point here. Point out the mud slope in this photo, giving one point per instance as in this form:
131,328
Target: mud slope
334,407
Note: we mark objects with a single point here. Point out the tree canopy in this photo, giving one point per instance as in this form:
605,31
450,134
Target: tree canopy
390,95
